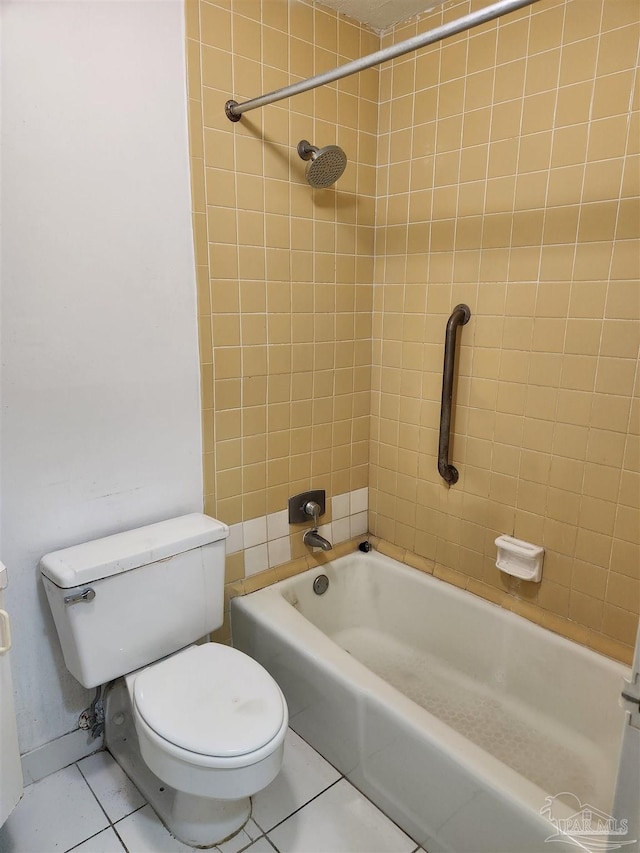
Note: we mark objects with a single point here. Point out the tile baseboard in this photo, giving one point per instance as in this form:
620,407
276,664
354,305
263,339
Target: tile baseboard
58,753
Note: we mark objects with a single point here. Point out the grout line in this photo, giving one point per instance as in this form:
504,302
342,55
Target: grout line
304,805
269,841
345,778
119,837
112,823
95,834
84,778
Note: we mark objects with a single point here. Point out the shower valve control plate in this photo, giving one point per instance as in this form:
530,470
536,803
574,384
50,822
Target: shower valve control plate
297,503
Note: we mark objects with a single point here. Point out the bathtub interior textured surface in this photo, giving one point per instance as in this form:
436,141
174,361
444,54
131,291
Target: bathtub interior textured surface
422,659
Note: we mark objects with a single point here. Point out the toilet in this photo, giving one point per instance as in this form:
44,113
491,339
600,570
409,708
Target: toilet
199,728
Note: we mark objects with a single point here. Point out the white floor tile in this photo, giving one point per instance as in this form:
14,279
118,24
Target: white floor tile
340,820
116,793
56,813
260,846
252,829
143,832
104,842
60,813
304,774
240,841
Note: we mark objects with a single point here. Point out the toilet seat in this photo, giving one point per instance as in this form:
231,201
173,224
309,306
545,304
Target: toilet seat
212,705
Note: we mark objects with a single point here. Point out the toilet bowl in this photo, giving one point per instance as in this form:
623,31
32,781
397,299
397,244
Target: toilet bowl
207,726
210,721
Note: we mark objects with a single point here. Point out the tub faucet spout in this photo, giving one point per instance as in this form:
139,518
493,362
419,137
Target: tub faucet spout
315,540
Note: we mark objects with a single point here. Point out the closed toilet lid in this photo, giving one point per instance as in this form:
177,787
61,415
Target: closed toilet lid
210,699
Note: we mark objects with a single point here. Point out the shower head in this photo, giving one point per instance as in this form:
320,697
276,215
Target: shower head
325,164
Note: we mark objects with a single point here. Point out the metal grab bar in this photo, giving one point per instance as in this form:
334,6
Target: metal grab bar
459,317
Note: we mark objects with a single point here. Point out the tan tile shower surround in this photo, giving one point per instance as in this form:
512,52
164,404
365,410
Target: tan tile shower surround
500,168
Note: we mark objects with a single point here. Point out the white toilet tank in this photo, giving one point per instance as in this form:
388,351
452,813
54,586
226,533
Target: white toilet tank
124,601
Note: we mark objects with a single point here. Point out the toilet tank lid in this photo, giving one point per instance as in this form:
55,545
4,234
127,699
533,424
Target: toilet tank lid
121,552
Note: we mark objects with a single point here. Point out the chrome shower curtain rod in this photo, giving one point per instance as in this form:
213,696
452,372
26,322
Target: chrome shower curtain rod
234,110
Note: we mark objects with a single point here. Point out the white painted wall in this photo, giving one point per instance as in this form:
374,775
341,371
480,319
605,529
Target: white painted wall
100,378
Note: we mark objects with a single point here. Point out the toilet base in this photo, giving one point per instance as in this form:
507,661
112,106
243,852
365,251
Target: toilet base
196,821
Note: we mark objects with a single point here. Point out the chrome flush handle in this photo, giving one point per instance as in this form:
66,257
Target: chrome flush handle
87,594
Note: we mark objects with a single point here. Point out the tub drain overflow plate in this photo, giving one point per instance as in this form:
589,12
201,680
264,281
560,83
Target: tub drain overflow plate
321,584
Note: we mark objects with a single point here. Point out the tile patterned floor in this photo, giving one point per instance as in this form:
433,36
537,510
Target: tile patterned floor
92,807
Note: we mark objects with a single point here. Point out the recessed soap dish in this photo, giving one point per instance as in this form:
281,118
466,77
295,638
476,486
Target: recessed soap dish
520,559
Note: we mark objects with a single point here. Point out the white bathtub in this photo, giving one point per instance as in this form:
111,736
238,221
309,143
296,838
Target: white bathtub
455,716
